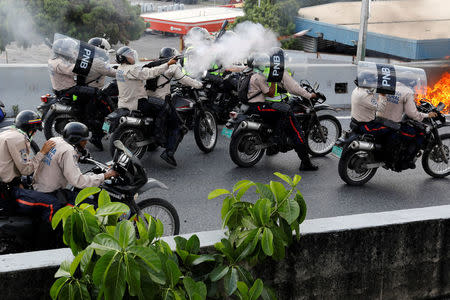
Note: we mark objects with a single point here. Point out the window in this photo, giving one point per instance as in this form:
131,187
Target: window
340,87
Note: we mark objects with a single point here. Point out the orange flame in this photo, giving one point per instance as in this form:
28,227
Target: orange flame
440,92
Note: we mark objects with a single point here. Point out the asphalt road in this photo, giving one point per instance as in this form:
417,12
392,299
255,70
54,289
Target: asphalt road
325,193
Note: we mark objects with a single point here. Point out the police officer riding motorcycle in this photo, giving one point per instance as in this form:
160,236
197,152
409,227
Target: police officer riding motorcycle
401,133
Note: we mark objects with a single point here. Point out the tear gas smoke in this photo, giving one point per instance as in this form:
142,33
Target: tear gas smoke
234,48
20,22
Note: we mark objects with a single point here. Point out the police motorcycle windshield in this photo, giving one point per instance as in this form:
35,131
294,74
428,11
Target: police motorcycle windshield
385,78
80,52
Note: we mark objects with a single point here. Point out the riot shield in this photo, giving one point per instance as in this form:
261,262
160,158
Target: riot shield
82,53
385,78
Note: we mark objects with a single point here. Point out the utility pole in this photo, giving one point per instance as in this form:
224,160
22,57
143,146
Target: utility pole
361,50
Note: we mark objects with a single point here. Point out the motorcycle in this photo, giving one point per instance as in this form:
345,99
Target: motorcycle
360,155
136,131
222,93
56,112
20,233
251,137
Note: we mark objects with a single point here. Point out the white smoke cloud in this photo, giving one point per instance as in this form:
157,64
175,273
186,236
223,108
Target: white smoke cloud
248,37
20,22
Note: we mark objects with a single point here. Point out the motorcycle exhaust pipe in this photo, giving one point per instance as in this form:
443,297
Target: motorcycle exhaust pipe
59,108
250,125
135,122
361,145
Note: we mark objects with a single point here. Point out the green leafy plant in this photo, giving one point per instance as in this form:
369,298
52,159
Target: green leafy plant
120,256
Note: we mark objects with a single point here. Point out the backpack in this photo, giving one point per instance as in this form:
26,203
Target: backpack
152,84
242,87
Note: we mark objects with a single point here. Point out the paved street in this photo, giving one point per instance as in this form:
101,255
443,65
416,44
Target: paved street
325,193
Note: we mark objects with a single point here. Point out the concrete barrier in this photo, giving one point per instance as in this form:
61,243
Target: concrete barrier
401,254
23,85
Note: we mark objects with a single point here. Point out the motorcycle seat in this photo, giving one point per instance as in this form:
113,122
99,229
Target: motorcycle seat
137,113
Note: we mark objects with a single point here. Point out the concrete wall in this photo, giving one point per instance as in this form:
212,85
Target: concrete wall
23,85
390,255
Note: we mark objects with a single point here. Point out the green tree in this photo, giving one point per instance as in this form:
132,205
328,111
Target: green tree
279,16
115,20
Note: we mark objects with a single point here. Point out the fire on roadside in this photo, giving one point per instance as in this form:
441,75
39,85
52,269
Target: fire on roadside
440,92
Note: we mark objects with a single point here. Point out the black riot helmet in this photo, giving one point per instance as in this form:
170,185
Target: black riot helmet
168,52
126,55
29,122
75,132
100,42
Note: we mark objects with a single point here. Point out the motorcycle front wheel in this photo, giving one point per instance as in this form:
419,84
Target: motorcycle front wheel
129,136
243,149
54,124
432,160
164,211
332,130
351,169
205,131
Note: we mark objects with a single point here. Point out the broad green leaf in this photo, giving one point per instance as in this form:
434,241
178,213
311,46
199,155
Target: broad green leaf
76,261
301,202
115,280
151,229
230,282
104,241
90,225
242,183
218,273
262,210
218,192
173,272
243,289
267,242
295,226
249,244
61,214
56,287
248,222
225,247
83,292
183,255
86,259
226,205
103,198
142,230
284,177
256,289
88,207
125,233
268,294
195,290
133,277
297,179
289,210
279,247
180,242
243,190
102,266
278,190
85,193
148,255
159,229
193,244
227,217
112,209
203,258
264,191
64,269
245,274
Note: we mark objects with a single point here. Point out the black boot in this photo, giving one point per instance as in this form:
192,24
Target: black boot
308,166
168,157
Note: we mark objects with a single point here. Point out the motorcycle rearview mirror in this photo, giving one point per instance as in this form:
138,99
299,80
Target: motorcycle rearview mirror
119,145
440,106
316,86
